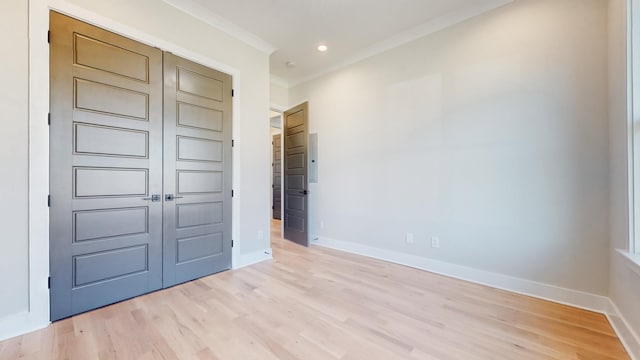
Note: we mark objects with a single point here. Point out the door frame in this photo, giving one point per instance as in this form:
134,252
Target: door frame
273,176
280,109
36,316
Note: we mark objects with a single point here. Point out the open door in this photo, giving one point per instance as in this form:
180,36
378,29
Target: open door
296,208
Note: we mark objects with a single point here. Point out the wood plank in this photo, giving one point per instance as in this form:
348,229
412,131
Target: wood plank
316,303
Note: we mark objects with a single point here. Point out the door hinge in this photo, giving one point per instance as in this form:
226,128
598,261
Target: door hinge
232,193
49,36
49,282
233,93
48,200
273,208
233,143
49,119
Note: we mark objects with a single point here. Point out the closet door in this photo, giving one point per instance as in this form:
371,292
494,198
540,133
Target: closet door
197,171
105,167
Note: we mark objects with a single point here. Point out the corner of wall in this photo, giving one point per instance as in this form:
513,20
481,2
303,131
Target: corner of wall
624,282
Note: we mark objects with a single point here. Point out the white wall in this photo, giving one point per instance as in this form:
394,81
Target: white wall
492,135
279,95
624,282
24,303
14,266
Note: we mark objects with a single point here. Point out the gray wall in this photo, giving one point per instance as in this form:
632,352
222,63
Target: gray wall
491,135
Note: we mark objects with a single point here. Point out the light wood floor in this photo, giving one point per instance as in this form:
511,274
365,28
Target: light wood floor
322,304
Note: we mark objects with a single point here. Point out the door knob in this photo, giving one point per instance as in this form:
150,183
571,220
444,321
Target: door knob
304,192
171,197
153,198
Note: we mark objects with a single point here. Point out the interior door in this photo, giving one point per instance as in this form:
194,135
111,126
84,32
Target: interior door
295,175
277,177
197,171
105,167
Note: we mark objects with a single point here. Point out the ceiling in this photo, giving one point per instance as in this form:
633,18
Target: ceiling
352,29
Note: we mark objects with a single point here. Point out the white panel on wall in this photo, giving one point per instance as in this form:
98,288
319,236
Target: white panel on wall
313,158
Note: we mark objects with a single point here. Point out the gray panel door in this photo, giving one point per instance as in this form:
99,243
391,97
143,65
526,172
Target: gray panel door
197,171
295,175
277,177
105,163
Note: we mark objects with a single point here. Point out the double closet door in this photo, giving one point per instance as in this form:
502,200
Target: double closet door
140,168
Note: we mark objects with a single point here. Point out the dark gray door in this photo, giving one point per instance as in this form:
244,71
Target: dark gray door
197,171
277,177
105,164
295,175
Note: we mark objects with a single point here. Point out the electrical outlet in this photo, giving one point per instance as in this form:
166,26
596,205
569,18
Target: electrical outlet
260,235
435,242
322,225
409,238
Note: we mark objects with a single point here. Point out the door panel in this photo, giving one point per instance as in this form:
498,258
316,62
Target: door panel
110,100
197,170
103,224
99,55
105,161
113,141
277,177
106,182
295,175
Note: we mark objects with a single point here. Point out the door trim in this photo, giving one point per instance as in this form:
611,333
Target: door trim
281,110
36,316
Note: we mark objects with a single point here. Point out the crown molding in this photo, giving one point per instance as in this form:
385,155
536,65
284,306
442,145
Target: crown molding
201,13
420,31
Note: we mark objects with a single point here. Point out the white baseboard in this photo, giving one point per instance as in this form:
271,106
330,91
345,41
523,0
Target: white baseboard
19,324
252,258
627,336
25,322
579,299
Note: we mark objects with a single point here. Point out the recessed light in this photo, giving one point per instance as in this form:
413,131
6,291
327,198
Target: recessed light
290,64
322,48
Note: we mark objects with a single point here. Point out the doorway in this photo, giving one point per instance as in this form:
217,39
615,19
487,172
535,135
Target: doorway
275,122
275,126
140,159
295,135
290,170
